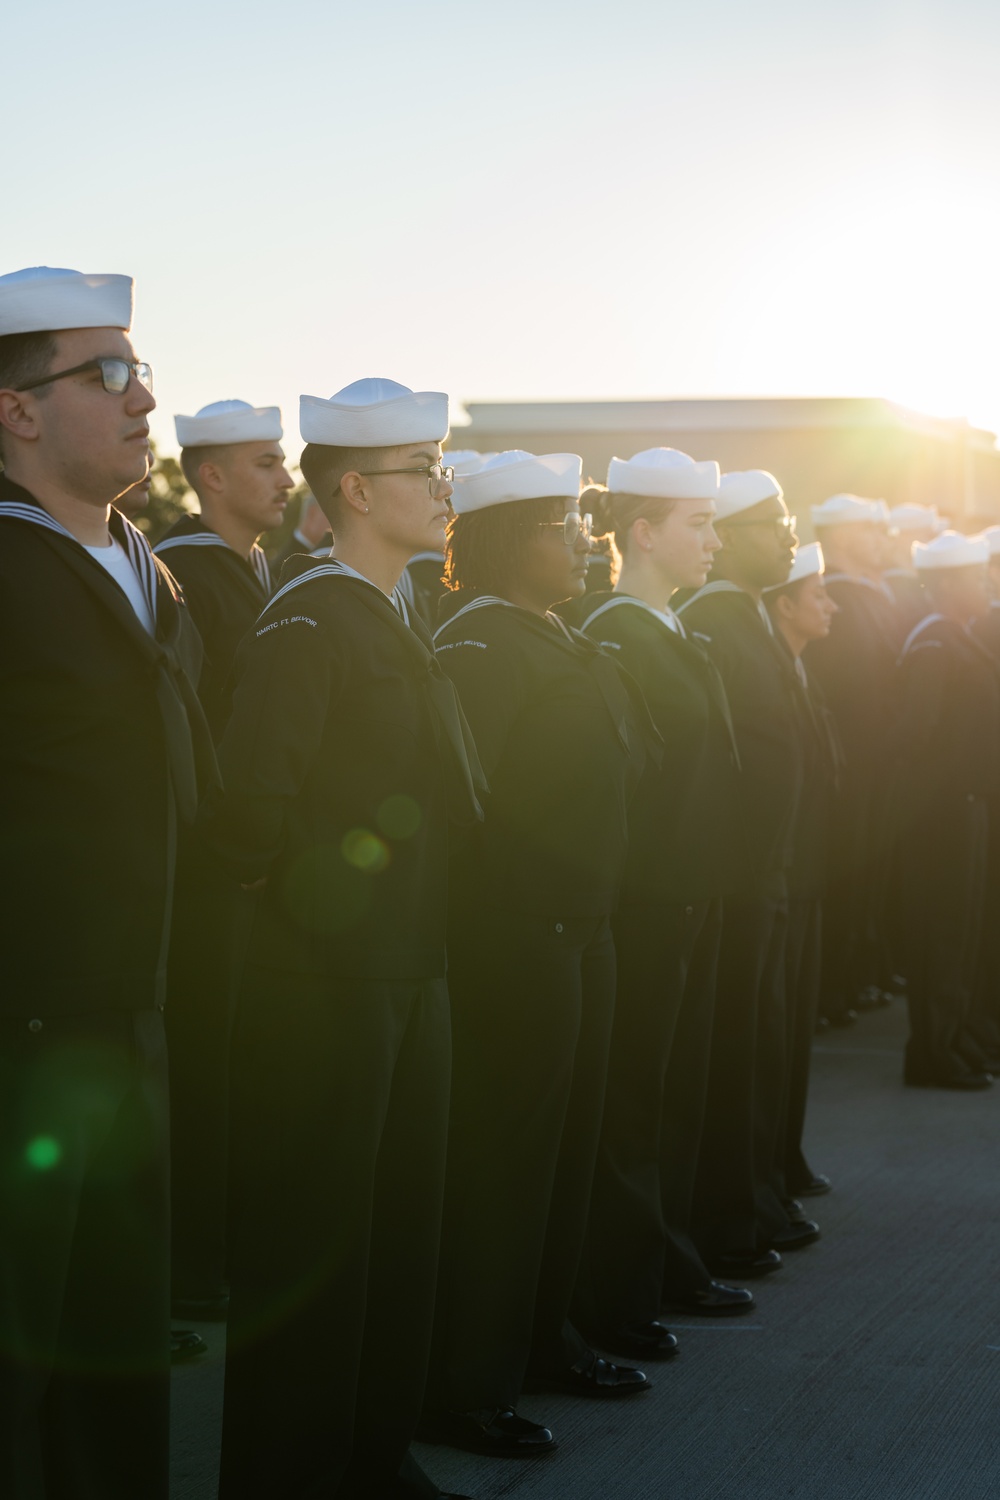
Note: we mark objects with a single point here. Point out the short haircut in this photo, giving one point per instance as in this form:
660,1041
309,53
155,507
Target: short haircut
193,458
486,548
323,467
25,357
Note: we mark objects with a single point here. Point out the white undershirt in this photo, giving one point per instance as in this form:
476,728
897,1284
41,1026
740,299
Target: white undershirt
114,561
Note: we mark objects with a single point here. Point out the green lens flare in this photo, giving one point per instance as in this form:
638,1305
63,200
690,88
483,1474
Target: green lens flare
43,1153
365,851
399,817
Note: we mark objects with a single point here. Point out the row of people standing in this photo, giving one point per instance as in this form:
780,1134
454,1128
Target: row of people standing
351,796
654,782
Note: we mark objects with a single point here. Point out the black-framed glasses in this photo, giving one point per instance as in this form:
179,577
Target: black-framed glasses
115,374
783,525
437,474
574,525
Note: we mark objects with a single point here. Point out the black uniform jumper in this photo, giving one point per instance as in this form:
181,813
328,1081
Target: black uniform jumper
102,734
342,756
225,594
562,738
736,1206
855,668
908,596
807,880
684,832
985,1018
949,770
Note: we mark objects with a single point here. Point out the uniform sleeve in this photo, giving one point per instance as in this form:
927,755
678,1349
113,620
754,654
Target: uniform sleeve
923,679
290,675
491,687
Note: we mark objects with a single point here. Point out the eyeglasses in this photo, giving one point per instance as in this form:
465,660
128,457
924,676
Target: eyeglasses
437,474
115,374
783,525
573,526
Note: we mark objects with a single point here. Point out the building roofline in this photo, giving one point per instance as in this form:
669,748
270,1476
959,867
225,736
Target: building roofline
717,414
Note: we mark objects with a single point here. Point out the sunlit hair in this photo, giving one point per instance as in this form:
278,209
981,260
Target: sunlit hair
615,515
485,549
25,357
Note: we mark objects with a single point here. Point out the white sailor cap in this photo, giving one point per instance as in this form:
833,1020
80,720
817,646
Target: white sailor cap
991,536
516,475
844,510
40,299
743,489
374,413
229,422
807,562
664,474
466,460
950,550
914,517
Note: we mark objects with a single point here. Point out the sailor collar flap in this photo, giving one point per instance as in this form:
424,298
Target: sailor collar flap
193,533
466,780
189,747
619,691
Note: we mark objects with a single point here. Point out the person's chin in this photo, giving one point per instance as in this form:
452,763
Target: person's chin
577,585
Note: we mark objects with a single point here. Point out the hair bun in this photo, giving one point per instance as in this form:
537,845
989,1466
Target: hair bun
596,501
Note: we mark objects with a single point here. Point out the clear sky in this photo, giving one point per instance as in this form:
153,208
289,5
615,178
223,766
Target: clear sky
527,199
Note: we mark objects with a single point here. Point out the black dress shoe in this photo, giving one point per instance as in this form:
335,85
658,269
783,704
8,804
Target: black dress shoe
592,1376
498,1434
814,1188
714,1301
201,1309
639,1341
744,1265
185,1344
967,1082
799,1234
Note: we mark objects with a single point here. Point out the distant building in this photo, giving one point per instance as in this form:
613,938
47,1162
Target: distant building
816,446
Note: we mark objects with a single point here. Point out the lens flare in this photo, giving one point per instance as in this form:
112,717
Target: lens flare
43,1153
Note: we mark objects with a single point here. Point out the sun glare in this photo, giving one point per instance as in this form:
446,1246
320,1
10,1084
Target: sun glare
875,287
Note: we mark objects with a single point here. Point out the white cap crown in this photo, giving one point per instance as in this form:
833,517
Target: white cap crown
743,489
914,517
991,536
466,460
374,413
229,422
517,475
664,474
950,550
41,299
845,510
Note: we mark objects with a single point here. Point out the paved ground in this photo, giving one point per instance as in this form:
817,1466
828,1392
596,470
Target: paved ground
871,1372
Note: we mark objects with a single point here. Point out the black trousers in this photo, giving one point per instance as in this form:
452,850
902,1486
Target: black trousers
737,1202
638,1239
84,1258
984,1018
802,967
340,1095
533,1004
208,940
942,872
